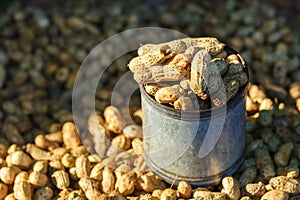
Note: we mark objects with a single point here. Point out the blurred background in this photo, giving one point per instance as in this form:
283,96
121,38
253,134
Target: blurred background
43,43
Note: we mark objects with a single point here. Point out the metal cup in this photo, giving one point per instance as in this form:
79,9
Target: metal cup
200,147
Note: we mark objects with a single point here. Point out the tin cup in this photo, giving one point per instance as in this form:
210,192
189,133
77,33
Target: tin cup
201,146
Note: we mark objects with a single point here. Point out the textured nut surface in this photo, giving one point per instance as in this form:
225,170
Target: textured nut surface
275,194
168,194
61,179
184,103
76,194
70,135
157,193
55,165
202,194
42,142
150,182
114,120
68,160
44,193
197,62
23,175
96,172
8,174
167,95
108,181
285,184
21,159
22,190
37,153
137,146
41,166
126,183
231,188
83,166
54,137
184,189
38,179
121,141
59,152
256,189
152,88
87,184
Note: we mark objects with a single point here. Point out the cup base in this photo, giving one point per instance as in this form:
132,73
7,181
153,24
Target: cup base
174,179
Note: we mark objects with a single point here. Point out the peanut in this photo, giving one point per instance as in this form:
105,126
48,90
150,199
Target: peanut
90,188
83,167
70,135
150,182
168,194
36,153
38,179
44,193
256,189
231,188
98,132
209,195
126,183
22,188
121,141
275,194
114,120
68,160
137,146
96,172
285,184
59,152
108,182
41,166
167,95
55,165
8,174
42,142
21,159
79,150
54,137
61,179
184,189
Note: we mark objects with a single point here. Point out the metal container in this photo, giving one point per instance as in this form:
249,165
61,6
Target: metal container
199,147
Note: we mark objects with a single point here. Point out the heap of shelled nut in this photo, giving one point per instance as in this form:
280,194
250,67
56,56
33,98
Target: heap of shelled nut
175,72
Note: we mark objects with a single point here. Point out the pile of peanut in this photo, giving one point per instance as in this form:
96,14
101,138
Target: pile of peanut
59,166
189,73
